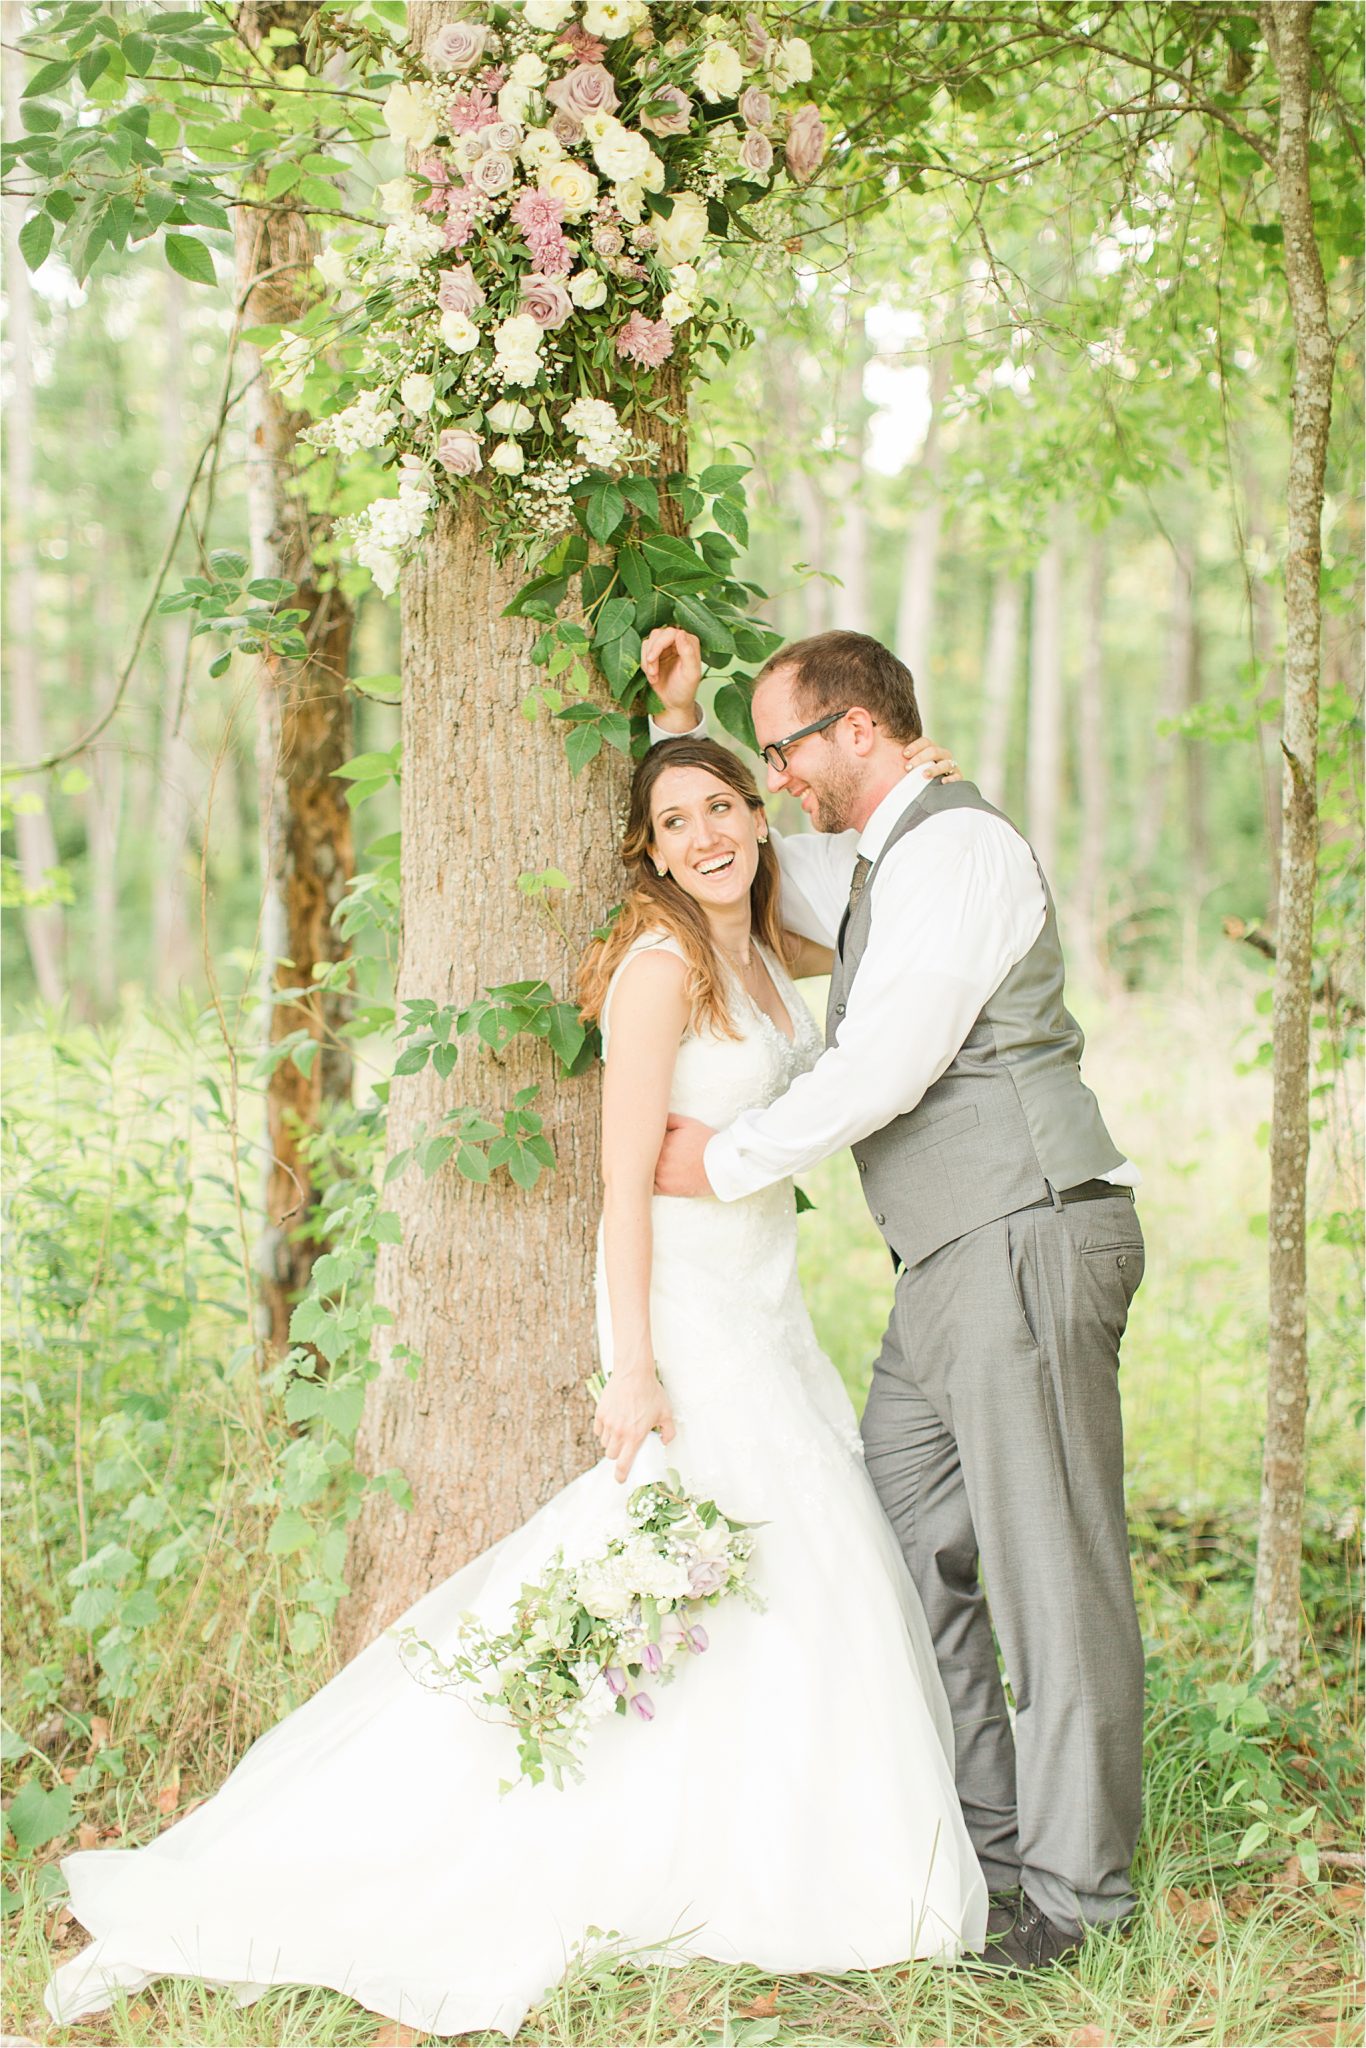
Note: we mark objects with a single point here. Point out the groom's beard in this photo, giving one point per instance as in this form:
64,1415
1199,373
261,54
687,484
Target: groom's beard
836,795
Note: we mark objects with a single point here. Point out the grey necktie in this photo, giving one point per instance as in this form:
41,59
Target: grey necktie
863,867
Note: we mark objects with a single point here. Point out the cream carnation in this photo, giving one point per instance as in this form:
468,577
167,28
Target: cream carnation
676,309
541,146
517,349
397,198
529,69
621,155
682,235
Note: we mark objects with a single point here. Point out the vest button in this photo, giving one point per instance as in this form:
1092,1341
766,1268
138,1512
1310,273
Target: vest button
863,1166
839,1009
879,1219
1122,1260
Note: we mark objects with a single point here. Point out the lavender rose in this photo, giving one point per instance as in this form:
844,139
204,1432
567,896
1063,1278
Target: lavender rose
707,1576
460,290
607,240
756,108
458,451
587,89
504,136
566,130
756,152
458,46
493,174
805,143
675,123
546,299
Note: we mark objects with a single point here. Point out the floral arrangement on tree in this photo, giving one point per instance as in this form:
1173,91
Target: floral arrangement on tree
583,1644
552,248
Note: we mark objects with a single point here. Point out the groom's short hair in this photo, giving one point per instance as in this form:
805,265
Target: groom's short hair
834,671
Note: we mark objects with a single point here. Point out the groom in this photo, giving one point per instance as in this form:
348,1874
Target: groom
992,1430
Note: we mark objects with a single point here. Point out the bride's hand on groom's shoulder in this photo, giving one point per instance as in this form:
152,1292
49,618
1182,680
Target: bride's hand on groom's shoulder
632,1404
936,762
672,661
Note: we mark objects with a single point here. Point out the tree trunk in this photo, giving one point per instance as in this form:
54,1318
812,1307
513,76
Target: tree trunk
1044,754
920,561
1091,765
44,924
176,772
304,736
1276,1597
491,1287
849,601
1000,668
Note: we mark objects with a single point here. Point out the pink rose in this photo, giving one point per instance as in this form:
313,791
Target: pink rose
493,173
588,49
756,108
676,123
470,111
566,130
458,46
607,240
460,290
587,89
504,136
756,152
805,143
647,342
458,451
546,299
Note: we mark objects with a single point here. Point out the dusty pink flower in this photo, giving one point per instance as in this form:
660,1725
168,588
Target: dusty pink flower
647,342
460,290
463,209
458,451
553,254
458,46
587,89
607,239
566,130
757,42
756,108
626,266
502,135
546,299
494,79
588,49
805,143
470,111
437,172
493,173
756,152
537,213
676,123
644,237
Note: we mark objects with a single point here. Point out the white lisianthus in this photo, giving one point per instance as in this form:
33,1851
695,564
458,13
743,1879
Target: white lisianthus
601,1590
540,147
510,416
331,268
529,69
792,62
612,19
621,155
418,391
517,350
588,288
652,177
596,125
683,281
519,103
397,198
682,235
676,309
507,459
719,74
629,200
571,182
648,1573
409,117
547,15
458,332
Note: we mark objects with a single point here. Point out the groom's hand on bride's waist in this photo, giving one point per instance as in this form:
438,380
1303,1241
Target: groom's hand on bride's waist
679,1169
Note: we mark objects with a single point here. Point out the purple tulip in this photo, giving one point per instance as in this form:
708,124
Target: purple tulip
616,1678
652,1658
643,1706
697,1638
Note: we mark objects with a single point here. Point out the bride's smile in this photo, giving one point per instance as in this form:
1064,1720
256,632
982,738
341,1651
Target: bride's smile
704,836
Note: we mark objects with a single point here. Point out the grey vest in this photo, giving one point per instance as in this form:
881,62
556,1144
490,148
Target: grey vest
1011,1115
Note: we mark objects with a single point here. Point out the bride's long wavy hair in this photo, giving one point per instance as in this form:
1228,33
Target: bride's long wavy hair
656,903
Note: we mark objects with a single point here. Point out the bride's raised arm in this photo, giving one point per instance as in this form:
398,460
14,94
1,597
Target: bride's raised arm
649,1016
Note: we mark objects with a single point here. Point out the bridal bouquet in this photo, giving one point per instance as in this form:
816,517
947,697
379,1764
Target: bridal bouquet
583,1643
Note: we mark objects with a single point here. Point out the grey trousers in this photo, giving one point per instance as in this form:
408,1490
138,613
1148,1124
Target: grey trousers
993,1435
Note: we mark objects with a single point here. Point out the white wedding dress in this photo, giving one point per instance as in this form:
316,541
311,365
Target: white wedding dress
791,1805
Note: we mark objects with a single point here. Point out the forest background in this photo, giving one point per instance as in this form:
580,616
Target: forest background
1015,396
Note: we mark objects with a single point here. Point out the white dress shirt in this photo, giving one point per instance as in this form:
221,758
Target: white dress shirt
954,906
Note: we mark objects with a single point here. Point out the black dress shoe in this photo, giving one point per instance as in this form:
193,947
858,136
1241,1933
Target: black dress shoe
1003,1910
1031,1942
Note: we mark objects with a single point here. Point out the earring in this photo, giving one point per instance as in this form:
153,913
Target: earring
661,872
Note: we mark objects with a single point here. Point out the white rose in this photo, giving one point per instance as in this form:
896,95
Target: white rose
418,392
792,61
682,235
676,309
510,417
409,118
529,70
612,19
571,182
397,197
541,146
621,155
588,288
547,15
719,74
515,103
458,332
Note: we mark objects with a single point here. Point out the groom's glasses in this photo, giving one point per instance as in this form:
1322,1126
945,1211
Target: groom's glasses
775,753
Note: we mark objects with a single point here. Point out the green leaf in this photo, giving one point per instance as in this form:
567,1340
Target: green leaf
719,476
93,63
281,178
305,1632
635,574
36,1815
716,641
612,620
290,1531
35,239
605,510
48,77
732,708
188,255
582,744
39,119
1253,1839
472,1164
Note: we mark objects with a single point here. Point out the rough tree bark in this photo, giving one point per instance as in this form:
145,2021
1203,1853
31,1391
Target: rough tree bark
1289,30
1044,752
303,734
44,924
1000,667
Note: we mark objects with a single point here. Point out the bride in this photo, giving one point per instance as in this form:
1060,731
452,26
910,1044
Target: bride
792,1803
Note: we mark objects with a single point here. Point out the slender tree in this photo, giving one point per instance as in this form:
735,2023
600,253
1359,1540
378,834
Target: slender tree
1044,756
1000,670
